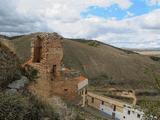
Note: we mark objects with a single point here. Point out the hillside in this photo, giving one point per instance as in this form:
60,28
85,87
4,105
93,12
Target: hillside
105,62
101,63
9,66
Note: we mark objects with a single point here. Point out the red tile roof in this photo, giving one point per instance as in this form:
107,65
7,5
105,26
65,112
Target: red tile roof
80,78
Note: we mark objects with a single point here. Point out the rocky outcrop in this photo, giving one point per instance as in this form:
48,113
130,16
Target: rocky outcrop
19,84
9,67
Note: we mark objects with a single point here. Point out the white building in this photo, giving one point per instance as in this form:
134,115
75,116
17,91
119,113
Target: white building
129,113
114,108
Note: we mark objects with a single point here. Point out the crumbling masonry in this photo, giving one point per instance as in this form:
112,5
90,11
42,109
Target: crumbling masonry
47,53
54,78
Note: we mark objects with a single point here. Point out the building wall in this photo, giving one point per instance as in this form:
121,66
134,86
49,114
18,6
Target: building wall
122,112
132,114
96,103
107,105
82,84
66,89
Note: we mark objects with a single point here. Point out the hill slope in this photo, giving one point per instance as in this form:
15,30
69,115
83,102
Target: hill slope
9,66
102,64
106,64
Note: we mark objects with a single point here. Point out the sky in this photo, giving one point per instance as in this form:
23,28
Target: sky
122,23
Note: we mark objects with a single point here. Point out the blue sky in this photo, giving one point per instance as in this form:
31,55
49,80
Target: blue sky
122,23
139,7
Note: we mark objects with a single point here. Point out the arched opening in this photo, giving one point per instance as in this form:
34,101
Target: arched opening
37,50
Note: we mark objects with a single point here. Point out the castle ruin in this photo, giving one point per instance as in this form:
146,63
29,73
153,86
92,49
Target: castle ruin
53,77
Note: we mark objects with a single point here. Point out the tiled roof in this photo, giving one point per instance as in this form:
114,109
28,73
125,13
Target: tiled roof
80,78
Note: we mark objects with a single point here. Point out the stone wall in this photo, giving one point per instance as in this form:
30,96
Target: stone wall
47,55
47,52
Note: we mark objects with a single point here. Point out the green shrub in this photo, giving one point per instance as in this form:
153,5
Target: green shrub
30,72
155,58
12,107
39,110
18,107
151,108
157,79
93,43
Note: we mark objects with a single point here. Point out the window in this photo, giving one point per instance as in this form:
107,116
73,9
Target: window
102,102
138,115
92,100
54,70
65,90
129,112
37,53
114,108
86,92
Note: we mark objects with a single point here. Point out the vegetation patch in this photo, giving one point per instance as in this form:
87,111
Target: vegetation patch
157,79
155,58
93,43
18,107
30,72
12,107
152,111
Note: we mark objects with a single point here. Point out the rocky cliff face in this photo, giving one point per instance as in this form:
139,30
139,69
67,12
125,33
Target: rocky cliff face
9,69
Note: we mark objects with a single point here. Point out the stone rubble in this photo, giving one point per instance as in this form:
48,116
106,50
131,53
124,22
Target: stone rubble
18,84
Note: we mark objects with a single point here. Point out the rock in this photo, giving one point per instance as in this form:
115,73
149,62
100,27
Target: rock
18,84
11,91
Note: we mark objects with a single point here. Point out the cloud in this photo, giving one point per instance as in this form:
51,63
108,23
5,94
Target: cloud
153,2
151,20
64,17
23,16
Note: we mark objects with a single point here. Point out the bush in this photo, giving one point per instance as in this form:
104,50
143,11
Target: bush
39,110
155,58
18,107
152,109
30,72
93,43
12,107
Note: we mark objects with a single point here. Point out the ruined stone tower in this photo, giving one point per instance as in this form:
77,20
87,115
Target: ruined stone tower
53,79
47,53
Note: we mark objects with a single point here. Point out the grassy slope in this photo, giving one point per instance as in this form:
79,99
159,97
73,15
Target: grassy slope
105,62
20,45
101,64
9,66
